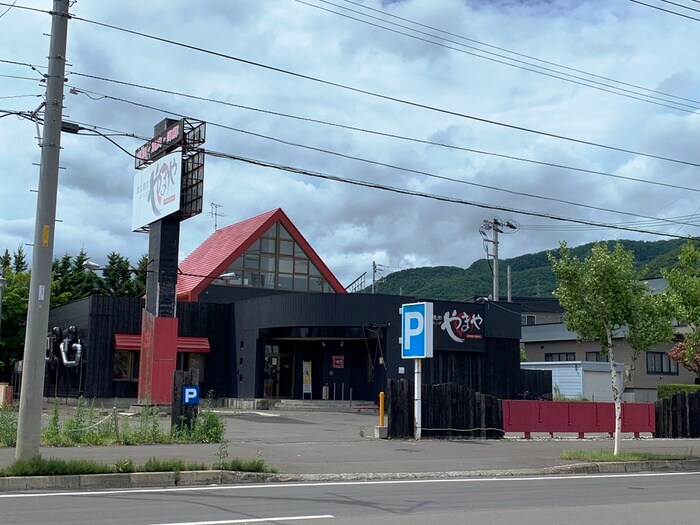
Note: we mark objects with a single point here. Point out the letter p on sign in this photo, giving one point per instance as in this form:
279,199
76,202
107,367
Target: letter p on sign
417,330
190,395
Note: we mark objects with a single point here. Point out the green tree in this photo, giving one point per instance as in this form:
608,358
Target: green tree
602,295
82,282
117,275
19,260
14,314
5,259
140,276
684,295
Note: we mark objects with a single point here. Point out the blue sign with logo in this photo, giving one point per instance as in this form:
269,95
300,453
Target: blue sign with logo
417,330
190,395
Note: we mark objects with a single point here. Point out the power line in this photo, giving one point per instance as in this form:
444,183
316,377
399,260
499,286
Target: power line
665,10
406,169
541,70
530,57
617,226
442,198
382,96
8,9
681,5
361,130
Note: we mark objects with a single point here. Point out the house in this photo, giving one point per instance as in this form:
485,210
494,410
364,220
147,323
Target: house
260,315
545,338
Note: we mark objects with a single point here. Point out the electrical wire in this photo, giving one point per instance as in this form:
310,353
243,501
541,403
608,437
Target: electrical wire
442,198
541,70
529,57
382,96
8,9
665,10
361,130
409,170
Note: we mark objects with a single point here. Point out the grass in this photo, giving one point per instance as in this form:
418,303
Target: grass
607,455
39,466
90,425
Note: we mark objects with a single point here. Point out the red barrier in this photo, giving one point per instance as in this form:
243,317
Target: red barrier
556,416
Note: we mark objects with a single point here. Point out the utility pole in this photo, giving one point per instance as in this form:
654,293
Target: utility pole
32,389
495,226
374,276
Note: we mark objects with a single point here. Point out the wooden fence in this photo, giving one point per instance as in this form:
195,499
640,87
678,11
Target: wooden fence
678,416
449,410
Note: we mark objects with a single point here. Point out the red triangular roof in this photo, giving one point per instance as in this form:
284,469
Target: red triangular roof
211,258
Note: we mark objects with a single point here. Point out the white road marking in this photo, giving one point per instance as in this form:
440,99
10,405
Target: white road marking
251,520
263,486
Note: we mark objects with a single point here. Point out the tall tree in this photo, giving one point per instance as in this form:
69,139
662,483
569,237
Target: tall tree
14,314
5,259
117,275
19,260
83,282
603,294
140,276
684,294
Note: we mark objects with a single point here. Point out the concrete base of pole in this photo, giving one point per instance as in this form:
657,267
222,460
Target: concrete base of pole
381,432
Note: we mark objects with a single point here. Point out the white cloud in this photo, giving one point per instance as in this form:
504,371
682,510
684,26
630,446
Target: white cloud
350,226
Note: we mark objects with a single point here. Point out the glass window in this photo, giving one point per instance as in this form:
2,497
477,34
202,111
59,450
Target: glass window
237,264
252,261
298,252
327,287
267,246
286,265
286,247
595,356
267,279
267,263
315,284
122,366
285,282
284,234
272,232
560,356
301,266
660,363
301,283
313,270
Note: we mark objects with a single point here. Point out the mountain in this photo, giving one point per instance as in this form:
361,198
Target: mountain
531,274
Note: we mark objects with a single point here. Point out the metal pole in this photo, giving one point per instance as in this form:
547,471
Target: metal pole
374,276
509,295
418,417
31,393
495,259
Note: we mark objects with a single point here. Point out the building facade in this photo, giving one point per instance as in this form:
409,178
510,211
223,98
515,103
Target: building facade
260,315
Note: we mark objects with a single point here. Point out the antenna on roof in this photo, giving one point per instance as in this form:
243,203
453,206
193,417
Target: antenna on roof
216,213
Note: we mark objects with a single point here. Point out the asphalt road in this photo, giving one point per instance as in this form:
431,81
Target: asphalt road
339,442
634,499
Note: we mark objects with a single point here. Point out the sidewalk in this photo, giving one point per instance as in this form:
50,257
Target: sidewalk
332,443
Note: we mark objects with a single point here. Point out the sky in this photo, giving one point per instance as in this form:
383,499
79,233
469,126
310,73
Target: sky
570,119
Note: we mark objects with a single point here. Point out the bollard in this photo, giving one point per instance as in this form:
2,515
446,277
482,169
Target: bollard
381,409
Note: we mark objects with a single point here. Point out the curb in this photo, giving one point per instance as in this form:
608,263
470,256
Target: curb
223,477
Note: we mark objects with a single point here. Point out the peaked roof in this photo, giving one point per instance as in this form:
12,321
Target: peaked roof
211,258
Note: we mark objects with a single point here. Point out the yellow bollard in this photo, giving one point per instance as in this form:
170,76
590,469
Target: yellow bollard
381,409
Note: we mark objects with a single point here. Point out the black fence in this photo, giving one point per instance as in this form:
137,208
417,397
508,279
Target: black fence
678,416
449,410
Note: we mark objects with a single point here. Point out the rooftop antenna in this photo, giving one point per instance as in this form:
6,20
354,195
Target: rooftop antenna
216,213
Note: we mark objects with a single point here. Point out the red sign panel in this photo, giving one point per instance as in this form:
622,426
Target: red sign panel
338,361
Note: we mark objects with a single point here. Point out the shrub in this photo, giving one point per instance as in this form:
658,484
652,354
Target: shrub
38,466
665,391
170,465
8,427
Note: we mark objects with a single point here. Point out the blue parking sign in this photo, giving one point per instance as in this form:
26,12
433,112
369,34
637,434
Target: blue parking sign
417,330
190,395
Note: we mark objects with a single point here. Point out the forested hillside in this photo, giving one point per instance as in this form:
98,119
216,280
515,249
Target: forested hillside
531,274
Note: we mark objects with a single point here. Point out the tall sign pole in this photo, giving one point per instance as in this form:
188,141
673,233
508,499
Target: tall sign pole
417,344
32,389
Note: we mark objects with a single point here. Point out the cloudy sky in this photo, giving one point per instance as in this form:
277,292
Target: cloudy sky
469,100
